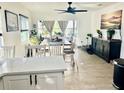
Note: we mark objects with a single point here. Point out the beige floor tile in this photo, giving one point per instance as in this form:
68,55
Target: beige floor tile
94,73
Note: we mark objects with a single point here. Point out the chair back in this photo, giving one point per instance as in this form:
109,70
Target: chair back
35,50
56,49
69,47
7,51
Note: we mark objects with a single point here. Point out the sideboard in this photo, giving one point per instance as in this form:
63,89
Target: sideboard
106,49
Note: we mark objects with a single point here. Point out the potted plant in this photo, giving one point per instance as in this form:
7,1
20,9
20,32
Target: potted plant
110,33
99,33
59,33
89,35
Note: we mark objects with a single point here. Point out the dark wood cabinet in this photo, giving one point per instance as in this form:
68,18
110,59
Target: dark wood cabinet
107,49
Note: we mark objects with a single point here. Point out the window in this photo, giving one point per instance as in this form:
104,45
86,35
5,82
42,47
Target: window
42,30
69,32
24,37
56,29
23,23
24,27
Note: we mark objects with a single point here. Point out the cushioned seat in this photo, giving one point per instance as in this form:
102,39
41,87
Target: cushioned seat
67,49
69,52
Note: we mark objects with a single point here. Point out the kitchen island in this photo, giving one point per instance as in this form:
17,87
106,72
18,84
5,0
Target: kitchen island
32,73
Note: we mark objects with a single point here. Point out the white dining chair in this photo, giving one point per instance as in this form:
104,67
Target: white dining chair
46,43
56,49
7,51
35,50
69,52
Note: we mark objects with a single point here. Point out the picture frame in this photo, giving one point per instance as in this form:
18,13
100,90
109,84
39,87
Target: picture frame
24,25
111,20
11,21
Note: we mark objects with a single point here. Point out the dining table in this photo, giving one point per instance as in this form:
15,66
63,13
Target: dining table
50,42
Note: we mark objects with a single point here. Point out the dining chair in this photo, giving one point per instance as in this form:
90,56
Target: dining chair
46,43
56,49
35,50
69,52
7,51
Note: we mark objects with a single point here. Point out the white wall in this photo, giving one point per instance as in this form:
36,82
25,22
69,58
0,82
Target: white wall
84,27
13,38
96,19
83,22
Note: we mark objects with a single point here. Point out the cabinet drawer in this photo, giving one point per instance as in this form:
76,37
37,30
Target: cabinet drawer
17,82
50,81
1,84
105,50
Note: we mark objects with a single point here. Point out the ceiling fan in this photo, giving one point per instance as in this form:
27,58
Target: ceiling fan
71,10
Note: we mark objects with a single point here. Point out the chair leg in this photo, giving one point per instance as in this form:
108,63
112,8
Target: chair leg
44,53
74,63
77,66
72,60
64,56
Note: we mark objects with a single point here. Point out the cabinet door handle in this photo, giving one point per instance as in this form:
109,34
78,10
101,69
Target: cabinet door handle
35,79
30,79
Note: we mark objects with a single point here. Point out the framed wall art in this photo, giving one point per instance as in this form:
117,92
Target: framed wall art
11,21
111,20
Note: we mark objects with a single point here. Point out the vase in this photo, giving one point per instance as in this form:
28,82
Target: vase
109,37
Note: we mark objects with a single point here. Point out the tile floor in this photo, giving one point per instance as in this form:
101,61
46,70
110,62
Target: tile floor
94,73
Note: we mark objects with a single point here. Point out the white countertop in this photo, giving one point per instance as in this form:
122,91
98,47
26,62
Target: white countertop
32,65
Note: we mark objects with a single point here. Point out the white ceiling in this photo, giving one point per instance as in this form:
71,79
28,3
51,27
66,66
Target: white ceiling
51,6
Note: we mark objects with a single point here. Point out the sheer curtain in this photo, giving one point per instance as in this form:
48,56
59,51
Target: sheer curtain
63,25
49,26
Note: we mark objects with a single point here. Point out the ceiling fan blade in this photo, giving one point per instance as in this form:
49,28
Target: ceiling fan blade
59,10
80,10
66,12
62,12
